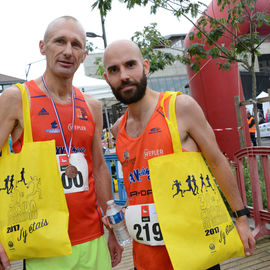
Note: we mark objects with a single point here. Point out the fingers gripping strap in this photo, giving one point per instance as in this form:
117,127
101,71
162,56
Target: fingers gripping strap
172,122
27,137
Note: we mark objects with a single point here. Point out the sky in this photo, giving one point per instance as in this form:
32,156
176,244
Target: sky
23,23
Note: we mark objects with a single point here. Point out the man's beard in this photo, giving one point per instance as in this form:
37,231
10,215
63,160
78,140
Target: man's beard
131,98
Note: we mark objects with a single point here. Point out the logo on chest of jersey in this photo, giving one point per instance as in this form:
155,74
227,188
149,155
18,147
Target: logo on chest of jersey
43,112
136,175
76,127
81,113
142,192
152,153
54,128
126,162
60,150
154,130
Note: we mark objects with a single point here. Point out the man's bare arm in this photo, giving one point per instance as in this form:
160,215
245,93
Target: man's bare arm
102,176
11,118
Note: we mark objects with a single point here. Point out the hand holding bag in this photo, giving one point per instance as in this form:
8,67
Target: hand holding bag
197,229
33,208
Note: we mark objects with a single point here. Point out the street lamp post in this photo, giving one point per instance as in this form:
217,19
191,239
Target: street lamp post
29,66
94,35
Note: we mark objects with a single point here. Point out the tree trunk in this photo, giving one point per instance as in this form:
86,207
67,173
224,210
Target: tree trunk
255,109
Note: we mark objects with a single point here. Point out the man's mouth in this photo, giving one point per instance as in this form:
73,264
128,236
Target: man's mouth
126,87
65,63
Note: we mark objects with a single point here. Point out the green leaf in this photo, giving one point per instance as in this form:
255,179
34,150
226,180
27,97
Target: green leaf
191,36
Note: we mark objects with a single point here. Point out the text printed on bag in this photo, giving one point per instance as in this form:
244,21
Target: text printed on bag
211,216
23,207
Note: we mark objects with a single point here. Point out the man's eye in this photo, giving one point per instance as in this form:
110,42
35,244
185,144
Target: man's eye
60,41
77,45
113,70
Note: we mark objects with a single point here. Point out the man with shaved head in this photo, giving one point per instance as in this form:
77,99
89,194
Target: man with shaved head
62,112
142,133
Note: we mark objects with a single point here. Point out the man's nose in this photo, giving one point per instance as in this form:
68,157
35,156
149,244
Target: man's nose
124,74
68,50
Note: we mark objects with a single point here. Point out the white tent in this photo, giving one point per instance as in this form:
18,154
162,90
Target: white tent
265,104
98,88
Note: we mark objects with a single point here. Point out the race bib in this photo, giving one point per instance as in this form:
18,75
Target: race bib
80,182
142,224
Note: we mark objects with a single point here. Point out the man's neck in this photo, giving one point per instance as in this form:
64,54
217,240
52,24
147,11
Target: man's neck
140,113
143,107
59,88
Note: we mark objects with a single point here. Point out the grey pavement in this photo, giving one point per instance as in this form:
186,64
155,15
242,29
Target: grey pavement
259,260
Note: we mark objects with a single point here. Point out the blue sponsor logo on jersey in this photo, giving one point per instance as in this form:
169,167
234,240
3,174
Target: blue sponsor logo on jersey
60,150
154,130
136,175
43,112
54,128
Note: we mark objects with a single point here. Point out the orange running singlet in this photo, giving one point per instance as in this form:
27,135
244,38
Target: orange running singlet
84,213
133,153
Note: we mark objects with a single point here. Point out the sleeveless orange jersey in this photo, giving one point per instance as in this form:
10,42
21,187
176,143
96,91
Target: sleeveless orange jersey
133,153
84,213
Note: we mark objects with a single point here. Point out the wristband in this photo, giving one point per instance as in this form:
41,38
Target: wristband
242,212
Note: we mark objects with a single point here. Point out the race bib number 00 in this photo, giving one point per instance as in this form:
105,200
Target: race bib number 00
142,224
80,182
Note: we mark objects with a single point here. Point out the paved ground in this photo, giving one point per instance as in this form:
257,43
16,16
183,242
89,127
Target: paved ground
259,260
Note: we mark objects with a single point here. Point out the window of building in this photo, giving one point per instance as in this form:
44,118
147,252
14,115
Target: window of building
169,83
264,63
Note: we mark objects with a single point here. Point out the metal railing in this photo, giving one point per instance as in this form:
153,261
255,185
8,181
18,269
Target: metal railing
248,159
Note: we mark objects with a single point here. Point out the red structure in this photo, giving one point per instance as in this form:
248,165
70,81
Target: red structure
215,90
260,215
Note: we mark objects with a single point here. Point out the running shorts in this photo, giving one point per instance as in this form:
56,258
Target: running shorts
92,255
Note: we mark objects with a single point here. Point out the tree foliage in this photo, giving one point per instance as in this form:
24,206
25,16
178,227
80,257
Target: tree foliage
149,42
243,48
89,47
177,7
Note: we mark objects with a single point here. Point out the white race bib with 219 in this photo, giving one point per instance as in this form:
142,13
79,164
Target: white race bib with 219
142,224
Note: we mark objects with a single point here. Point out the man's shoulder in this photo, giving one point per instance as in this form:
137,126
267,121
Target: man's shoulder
11,94
185,101
91,100
115,127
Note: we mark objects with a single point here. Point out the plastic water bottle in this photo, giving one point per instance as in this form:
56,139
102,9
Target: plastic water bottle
117,221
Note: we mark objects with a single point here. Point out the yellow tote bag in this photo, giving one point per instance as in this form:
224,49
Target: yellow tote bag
33,208
197,229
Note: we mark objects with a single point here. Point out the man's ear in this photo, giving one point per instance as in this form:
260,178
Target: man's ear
42,47
146,66
106,78
84,56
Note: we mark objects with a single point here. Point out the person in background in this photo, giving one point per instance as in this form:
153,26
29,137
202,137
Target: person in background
261,119
142,132
57,105
252,128
267,115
